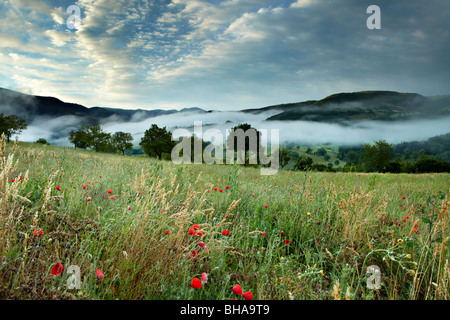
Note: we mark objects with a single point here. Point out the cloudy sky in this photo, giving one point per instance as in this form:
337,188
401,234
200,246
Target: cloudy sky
221,54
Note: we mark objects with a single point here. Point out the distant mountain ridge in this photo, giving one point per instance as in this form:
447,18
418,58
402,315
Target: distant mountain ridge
364,105
30,107
341,108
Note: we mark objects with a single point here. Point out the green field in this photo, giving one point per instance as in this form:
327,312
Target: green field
337,224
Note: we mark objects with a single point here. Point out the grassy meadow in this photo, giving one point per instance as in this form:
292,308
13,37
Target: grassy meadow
293,235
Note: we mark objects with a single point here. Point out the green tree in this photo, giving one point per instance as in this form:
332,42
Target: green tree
245,140
303,163
11,125
122,141
157,141
80,138
284,157
42,141
377,156
98,139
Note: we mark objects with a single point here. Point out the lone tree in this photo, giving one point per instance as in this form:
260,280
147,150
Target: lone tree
12,124
377,156
122,141
90,136
303,163
284,157
157,141
245,140
98,138
80,138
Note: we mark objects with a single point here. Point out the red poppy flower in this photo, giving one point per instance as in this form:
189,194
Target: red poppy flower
281,232
264,248
37,233
199,233
194,254
112,197
88,199
21,178
204,277
220,190
195,226
286,241
84,187
166,232
247,295
266,206
237,289
109,191
191,232
403,197
226,232
57,269
226,216
227,187
196,283
215,188
58,188
99,274
129,208
12,180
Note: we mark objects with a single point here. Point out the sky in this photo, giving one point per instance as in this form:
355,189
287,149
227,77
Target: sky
221,54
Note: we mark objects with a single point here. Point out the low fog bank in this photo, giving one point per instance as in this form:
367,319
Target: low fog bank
56,130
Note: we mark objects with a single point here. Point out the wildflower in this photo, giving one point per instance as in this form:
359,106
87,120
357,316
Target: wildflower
308,213
286,241
226,232
408,256
321,272
195,226
166,232
12,180
407,217
404,220
227,187
129,207
109,191
84,187
264,248
191,232
112,197
204,278
199,233
400,241
57,269
194,254
226,216
383,219
403,197
215,188
37,233
220,190
247,295
99,274
196,283
202,245
281,232
88,199
58,188
266,206
264,233
237,289
253,195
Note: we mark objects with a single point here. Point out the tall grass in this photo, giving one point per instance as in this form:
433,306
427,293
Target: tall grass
337,224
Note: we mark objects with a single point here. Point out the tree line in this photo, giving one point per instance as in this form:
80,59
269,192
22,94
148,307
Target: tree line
432,155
